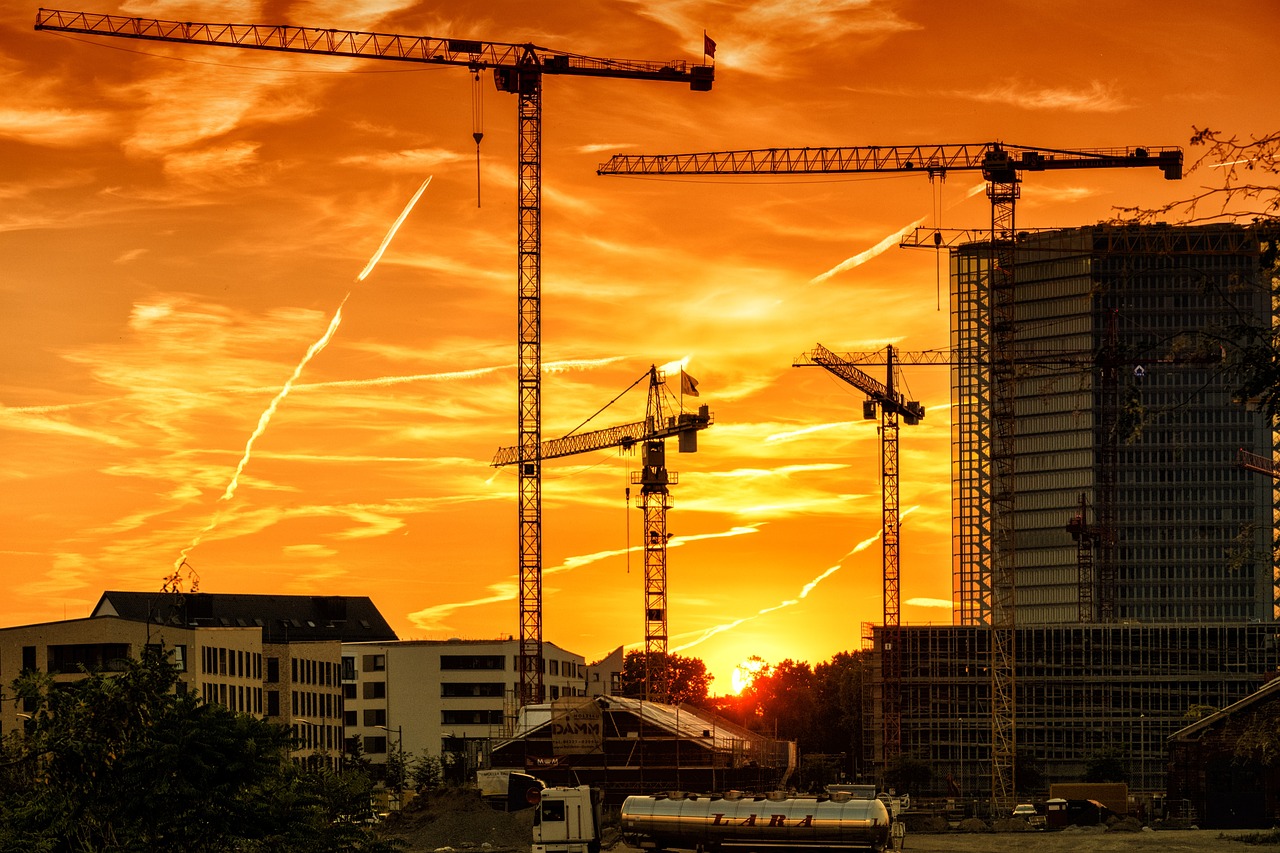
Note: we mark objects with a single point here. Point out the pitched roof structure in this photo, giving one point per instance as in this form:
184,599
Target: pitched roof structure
282,618
1266,693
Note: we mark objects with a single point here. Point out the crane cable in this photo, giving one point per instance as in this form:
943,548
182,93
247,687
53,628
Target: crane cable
477,123
937,235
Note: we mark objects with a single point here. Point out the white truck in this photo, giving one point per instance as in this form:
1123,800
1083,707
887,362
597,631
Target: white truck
567,820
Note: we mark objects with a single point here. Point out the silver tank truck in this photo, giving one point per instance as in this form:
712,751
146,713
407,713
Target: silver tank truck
707,822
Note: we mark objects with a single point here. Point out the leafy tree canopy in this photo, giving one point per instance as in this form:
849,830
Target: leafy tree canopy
123,762
686,679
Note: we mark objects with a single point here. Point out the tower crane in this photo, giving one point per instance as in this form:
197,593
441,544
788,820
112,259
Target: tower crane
654,500
984,423
892,405
518,69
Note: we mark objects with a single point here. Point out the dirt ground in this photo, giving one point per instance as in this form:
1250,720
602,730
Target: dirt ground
1081,840
460,821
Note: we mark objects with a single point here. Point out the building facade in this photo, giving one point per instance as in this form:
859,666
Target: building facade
445,697
221,665
1124,418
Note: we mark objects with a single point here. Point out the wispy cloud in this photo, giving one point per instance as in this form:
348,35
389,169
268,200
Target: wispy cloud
434,618
929,602
1094,97
807,588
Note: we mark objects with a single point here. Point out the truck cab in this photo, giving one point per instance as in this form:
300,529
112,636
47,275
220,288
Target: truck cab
567,820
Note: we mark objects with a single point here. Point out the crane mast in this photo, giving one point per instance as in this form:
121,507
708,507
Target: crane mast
518,69
892,405
654,501
984,427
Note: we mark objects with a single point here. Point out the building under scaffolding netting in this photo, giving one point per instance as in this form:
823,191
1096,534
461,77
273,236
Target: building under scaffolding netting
1084,691
629,746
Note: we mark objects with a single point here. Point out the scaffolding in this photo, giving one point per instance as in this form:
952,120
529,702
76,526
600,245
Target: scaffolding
1083,690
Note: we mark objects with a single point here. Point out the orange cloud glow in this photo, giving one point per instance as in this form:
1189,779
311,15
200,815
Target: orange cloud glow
180,223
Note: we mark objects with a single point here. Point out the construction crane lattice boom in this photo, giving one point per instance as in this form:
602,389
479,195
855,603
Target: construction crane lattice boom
519,69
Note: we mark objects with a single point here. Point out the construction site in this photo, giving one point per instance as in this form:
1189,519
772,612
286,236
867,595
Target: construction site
1113,503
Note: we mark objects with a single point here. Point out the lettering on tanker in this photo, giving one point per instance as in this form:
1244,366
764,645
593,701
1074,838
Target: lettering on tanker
775,820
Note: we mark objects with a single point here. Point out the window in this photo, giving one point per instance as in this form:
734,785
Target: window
92,656
375,745
471,718
472,661
350,719
375,717
472,688
177,655
551,811
348,668
375,689
555,667
28,658
375,663
555,692
273,670
348,691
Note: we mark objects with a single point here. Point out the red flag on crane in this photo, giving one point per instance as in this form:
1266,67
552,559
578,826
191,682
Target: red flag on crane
708,46
688,385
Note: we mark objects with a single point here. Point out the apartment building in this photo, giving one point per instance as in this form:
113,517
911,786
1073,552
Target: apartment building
447,697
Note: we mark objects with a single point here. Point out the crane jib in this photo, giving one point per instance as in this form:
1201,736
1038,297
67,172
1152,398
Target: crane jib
349,43
997,161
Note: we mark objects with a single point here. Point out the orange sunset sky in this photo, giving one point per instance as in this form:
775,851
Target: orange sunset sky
179,225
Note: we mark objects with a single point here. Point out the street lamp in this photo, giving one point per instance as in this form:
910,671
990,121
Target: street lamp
308,724
400,768
1142,751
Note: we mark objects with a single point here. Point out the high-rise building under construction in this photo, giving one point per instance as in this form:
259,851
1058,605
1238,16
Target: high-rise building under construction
1096,452
1123,439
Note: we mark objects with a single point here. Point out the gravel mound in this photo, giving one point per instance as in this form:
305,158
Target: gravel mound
458,820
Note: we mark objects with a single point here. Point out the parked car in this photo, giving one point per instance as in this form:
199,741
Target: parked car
1028,812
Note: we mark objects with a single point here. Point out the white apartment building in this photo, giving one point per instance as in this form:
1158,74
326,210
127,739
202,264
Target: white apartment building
442,696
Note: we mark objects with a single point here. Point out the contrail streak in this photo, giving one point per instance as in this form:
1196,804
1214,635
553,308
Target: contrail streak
265,418
887,243
874,252
432,618
386,241
804,592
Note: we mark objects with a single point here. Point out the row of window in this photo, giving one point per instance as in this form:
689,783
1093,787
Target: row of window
308,703
234,663
311,736
550,666
237,697
320,672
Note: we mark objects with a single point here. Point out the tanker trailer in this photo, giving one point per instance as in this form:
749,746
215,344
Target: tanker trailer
735,821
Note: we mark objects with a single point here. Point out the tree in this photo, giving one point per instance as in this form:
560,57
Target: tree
783,702
121,761
907,775
426,772
838,685
687,678
1260,739
1106,765
1239,188
1241,184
